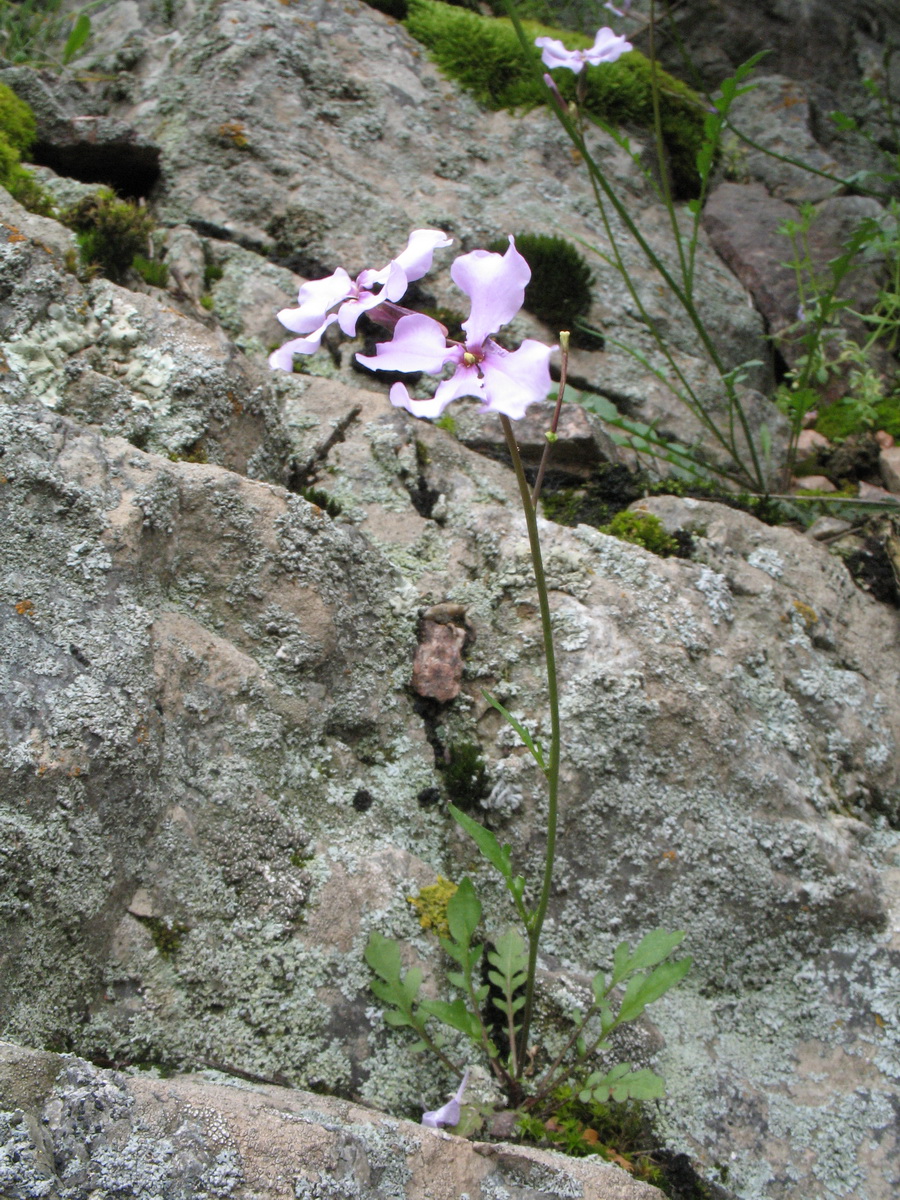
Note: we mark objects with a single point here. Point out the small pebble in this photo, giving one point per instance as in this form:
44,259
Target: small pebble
814,483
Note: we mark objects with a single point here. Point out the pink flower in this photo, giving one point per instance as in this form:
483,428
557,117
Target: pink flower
505,381
607,47
449,1114
355,297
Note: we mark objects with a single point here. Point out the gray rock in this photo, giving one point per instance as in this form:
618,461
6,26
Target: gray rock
71,1131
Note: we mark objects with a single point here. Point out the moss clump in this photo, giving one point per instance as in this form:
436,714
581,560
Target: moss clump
484,55
111,232
17,124
431,905
322,500
559,293
642,529
465,775
151,270
167,938
17,130
841,421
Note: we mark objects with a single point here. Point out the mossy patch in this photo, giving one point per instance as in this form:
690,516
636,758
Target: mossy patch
465,775
111,232
642,529
484,55
17,130
559,293
840,421
167,935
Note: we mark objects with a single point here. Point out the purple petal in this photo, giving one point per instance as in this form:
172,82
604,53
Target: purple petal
283,358
495,283
351,310
415,260
449,1113
607,47
514,380
554,54
315,298
418,344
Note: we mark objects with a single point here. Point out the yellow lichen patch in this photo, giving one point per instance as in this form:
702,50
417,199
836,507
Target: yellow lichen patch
25,608
809,615
234,132
431,905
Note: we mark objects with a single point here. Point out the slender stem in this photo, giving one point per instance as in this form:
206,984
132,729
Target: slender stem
554,424
536,923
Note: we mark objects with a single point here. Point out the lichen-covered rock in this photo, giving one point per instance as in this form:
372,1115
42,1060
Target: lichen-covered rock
70,1130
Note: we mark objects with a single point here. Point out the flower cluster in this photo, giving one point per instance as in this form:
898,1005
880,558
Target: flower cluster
355,296
504,381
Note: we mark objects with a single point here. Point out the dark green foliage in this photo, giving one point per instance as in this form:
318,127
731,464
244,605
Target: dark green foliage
484,55
322,500
642,529
393,8
559,293
110,231
465,776
597,501
151,270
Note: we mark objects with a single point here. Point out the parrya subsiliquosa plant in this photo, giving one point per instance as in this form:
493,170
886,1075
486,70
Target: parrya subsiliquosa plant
507,383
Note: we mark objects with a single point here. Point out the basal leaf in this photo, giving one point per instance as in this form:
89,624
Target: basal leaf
383,956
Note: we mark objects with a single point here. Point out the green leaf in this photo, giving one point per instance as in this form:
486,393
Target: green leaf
498,856
644,989
533,747
651,949
81,31
383,956
454,1014
621,1083
463,912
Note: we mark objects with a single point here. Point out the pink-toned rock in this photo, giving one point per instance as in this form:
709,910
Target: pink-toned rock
438,665
884,439
810,439
814,483
868,491
889,466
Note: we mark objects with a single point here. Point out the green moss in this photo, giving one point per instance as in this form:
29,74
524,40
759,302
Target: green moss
111,232
840,421
151,270
431,905
167,938
17,130
642,529
322,500
484,55
448,423
465,775
17,124
559,293
212,273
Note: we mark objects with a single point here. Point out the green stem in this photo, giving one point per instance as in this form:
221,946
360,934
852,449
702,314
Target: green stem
536,923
